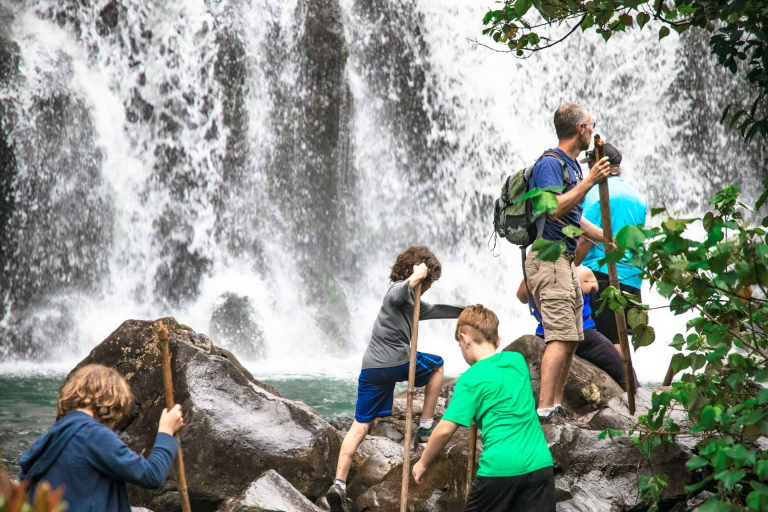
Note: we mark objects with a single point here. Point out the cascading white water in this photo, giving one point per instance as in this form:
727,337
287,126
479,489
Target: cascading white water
236,172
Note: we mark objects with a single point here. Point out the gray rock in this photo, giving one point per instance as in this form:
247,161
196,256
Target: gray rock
342,424
235,427
587,389
234,326
616,415
270,493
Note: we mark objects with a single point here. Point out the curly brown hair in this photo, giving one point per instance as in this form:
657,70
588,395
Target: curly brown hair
415,255
101,388
481,319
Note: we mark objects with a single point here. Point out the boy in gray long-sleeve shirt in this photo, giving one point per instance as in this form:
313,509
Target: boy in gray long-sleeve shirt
387,360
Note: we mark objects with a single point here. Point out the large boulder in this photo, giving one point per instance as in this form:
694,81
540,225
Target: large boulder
587,389
236,428
442,489
591,475
270,493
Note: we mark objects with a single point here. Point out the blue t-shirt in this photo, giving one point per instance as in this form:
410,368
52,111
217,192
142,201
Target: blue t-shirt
628,206
548,172
586,315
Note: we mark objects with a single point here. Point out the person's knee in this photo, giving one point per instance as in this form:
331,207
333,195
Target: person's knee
437,373
358,430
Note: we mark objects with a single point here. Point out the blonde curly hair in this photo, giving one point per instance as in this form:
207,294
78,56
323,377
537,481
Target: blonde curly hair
101,388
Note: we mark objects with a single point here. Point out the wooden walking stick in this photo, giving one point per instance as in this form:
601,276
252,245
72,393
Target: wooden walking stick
409,402
668,376
178,463
471,459
621,321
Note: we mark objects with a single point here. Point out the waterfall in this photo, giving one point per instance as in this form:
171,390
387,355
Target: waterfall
253,167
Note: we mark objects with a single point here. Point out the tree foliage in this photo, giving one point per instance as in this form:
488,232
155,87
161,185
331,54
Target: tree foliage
722,394
739,36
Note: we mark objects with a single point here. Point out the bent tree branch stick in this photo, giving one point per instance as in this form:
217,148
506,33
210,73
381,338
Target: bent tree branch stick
621,320
471,459
409,403
178,462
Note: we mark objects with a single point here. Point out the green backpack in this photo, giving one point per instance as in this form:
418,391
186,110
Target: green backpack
514,219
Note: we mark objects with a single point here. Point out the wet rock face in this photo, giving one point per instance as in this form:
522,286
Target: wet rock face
236,427
270,492
234,326
587,389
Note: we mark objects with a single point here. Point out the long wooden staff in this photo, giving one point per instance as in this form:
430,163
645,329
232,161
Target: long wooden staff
178,463
621,321
409,402
471,459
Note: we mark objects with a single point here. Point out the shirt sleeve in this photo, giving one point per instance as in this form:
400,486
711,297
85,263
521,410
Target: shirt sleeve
398,293
111,456
429,311
463,405
548,172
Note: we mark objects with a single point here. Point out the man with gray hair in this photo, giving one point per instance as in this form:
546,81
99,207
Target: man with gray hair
555,286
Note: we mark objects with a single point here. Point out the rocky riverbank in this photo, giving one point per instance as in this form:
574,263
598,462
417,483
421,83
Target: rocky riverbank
248,449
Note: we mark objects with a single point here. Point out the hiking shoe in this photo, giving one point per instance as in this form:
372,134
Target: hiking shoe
424,433
549,416
337,499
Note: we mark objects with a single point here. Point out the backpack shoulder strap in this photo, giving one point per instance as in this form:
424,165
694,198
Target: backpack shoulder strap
566,174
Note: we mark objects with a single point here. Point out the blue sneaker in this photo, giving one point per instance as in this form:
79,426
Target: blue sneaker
337,499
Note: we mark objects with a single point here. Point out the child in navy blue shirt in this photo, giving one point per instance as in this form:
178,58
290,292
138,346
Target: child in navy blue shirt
387,360
82,453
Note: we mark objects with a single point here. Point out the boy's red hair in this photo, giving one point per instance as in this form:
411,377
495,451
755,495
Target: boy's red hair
102,389
481,319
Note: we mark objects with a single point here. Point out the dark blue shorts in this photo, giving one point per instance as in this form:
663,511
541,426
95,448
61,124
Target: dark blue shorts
376,386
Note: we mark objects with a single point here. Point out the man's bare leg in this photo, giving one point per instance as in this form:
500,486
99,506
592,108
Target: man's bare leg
552,365
566,370
352,440
432,393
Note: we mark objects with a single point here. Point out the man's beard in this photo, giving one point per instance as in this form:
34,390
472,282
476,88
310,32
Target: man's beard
584,142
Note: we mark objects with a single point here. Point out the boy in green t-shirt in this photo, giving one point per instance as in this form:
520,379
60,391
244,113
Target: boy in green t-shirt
515,471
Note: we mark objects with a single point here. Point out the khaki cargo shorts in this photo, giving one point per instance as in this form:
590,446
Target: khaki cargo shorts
556,290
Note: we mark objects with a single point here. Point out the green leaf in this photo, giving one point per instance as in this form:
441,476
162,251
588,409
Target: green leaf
680,362
643,336
631,237
729,478
757,500
677,341
570,231
736,117
675,225
642,20
546,202
522,7
626,19
707,420
714,504
762,395
637,318
663,32
739,452
696,462
612,257
548,250
761,469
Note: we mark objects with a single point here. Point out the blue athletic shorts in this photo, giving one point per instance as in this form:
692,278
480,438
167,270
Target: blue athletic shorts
376,386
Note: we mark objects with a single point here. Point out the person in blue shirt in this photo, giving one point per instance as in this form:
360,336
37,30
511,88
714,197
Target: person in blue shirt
595,347
82,453
554,286
628,207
